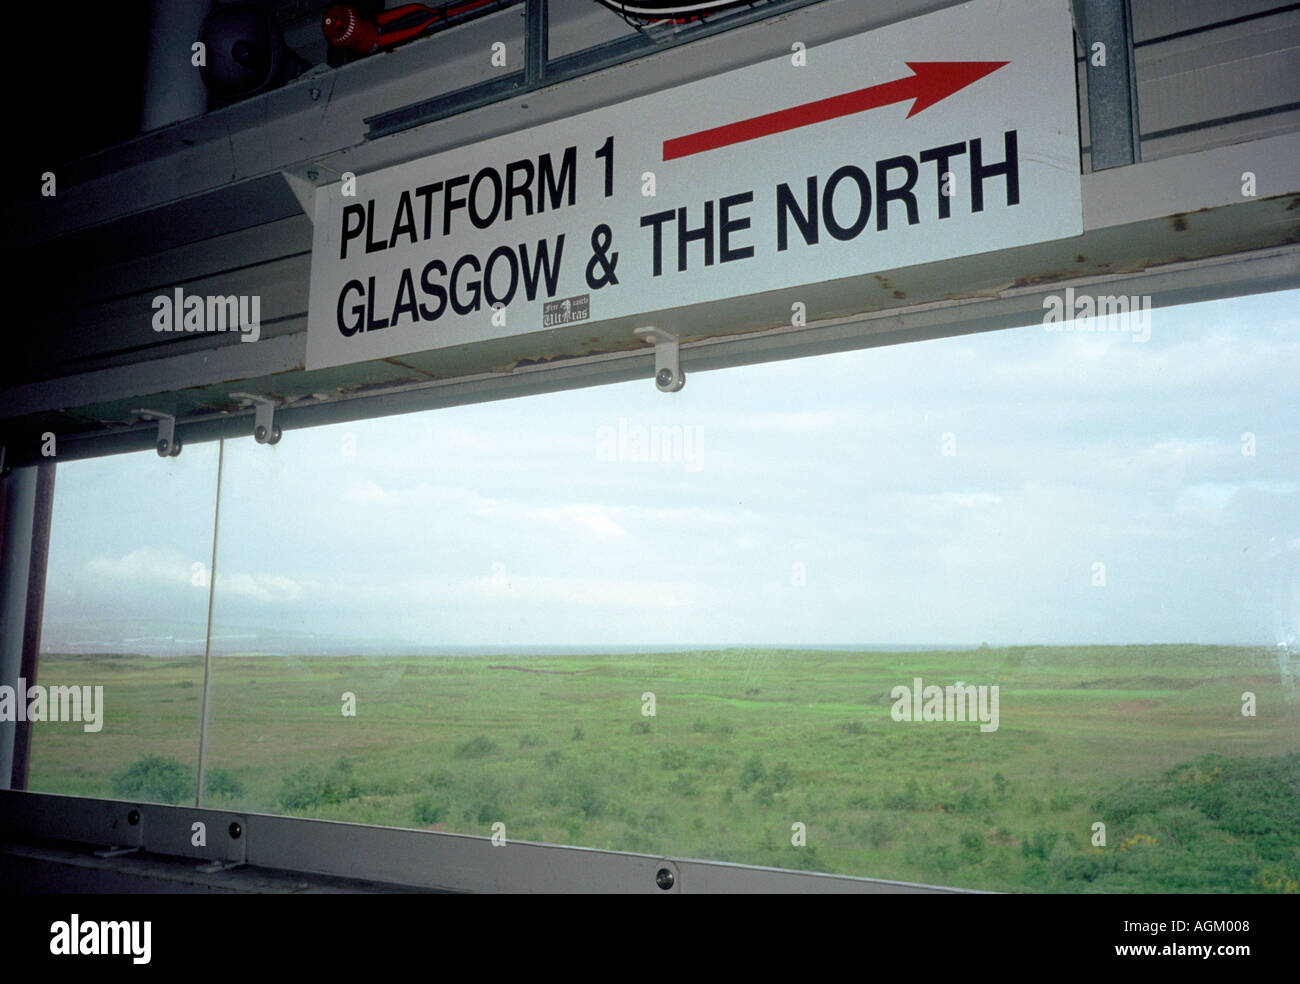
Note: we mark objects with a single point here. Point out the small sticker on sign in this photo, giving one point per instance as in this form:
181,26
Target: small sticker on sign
566,309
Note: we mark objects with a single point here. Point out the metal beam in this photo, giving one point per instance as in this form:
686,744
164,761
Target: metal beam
1180,283
1112,81
536,42
414,858
18,491
42,514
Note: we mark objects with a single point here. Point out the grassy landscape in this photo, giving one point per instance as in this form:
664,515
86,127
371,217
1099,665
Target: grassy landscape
1149,740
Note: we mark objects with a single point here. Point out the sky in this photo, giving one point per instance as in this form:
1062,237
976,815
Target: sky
947,492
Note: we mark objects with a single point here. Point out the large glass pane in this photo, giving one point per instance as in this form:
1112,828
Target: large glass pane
702,624
126,614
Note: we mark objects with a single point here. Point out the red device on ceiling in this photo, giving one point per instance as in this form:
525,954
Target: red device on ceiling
344,26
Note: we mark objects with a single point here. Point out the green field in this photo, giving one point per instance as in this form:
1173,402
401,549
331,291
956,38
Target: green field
1149,740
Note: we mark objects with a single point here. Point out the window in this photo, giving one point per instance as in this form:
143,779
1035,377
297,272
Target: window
702,625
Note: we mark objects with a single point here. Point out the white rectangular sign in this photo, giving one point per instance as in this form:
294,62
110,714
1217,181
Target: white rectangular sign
941,136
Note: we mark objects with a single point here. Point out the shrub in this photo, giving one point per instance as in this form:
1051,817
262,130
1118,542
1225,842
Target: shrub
1039,844
1060,801
781,777
1275,883
879,831
672,758
438,780
1209,825
907,799
427,812
484,801
590,799
309,788
972,846
752,772
683,785
477,748
805,859
968,801
155,778
1077,867
222,782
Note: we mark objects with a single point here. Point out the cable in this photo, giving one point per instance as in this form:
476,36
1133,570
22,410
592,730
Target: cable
668,11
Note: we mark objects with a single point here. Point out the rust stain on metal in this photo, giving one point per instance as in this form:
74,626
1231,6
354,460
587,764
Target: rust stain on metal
351,389
545,359
402,365
1178,221
1080,259
899,294
1045,278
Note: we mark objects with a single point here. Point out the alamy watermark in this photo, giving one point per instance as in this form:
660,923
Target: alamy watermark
958,702
1098,313
38,703
662,443
241,313
97,938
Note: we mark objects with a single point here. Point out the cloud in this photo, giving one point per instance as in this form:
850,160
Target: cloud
799,422
588,518
502,592
593,519
259,587
1176,451
1210,500
967,500
1083,362
148,566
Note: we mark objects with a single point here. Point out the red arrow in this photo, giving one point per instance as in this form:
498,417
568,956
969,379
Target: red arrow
929,83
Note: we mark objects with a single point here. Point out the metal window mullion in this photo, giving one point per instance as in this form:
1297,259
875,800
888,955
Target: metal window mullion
19,495
536,42
207,648
38,564
1112,86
